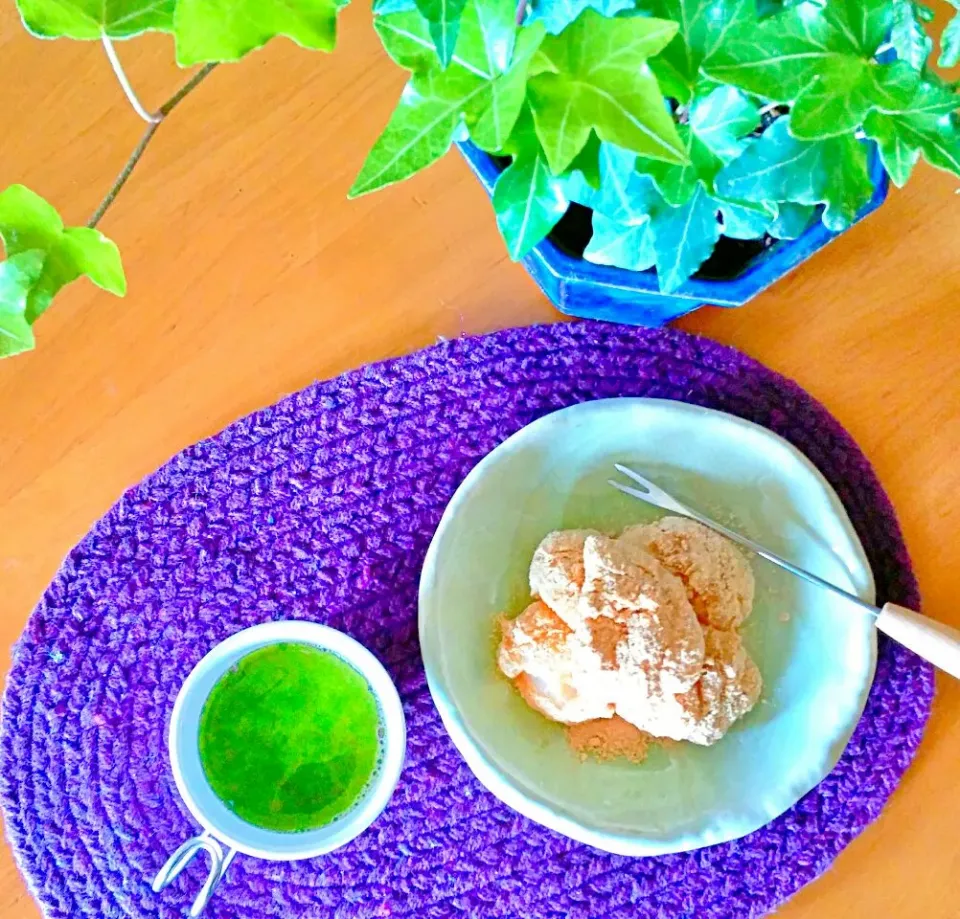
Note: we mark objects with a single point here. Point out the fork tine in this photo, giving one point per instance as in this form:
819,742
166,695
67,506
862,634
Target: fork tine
644,496
630,474
652,493
627,490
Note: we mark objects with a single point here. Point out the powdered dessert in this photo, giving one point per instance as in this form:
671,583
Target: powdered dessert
635,637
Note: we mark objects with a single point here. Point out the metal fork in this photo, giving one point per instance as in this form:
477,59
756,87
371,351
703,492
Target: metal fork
932,640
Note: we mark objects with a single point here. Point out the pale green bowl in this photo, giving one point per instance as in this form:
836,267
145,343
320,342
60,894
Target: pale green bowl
816,652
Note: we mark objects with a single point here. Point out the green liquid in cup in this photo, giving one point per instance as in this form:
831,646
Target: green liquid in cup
289,737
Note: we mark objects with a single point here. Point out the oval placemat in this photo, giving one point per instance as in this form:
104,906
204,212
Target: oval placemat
321,507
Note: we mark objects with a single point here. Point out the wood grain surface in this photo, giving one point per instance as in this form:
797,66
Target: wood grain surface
251,275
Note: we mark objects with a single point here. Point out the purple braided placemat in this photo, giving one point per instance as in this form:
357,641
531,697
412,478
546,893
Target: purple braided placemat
321,507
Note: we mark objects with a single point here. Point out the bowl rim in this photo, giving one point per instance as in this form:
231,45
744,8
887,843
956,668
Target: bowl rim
482,765
233,830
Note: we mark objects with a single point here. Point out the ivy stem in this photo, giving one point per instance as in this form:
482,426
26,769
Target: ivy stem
125,83
154,122
521,11
121,179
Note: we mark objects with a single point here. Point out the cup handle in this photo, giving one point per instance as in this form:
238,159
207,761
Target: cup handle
219,862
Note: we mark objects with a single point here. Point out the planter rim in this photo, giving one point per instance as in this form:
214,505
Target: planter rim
761,272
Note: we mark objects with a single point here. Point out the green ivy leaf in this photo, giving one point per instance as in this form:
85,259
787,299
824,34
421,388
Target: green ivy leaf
528,199
899,147
791,220
677,183
683,238
623,245
629,199
384,7
556,15
950,40
918,119
717,121
405,36
746,221
623,195
419,132
18,274
485,45
443,19
908,36
486,32
492,117
490,27
92,19
436,102
779,167
226,30
770,7
28,223
818,60
704,24
722,119
902,139
586,167
594,76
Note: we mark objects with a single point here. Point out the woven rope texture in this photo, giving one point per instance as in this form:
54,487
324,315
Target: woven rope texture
321,507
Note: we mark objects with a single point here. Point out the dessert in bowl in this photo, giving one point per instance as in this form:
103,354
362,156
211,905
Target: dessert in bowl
815,655
635,638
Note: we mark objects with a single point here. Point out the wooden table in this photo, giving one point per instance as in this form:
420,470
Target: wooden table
251,275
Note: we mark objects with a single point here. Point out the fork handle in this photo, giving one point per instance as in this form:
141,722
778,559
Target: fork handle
933,641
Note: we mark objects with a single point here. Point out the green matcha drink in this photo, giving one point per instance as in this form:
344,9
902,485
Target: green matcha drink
290,737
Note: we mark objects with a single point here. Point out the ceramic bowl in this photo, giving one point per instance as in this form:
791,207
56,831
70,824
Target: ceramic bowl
816,651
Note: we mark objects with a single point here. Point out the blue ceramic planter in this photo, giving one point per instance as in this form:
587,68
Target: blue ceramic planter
580,288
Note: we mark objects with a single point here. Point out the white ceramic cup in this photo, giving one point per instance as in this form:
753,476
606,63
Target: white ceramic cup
224,833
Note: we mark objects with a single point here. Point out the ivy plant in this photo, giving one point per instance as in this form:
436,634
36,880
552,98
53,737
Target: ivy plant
675,122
